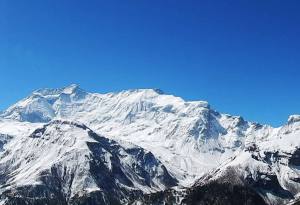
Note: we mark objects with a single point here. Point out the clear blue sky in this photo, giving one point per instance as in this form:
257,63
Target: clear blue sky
242,56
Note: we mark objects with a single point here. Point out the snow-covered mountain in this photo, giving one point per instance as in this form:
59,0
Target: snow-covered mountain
193,144
266,171
66,162
190,138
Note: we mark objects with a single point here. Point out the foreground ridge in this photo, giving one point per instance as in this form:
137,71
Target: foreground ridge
66,162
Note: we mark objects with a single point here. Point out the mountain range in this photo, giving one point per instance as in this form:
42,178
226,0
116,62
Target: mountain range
142,146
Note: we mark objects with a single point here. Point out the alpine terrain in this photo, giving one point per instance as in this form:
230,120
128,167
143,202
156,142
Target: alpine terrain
68,146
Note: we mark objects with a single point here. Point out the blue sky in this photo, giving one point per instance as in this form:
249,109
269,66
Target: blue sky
242,56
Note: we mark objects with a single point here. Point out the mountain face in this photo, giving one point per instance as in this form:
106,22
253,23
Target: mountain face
68,146
266,171
67,163
188,137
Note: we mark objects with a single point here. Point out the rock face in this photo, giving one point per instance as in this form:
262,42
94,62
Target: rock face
156,149
67,163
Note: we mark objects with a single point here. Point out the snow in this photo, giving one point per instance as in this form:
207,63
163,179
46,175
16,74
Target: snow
294,118
268,152
188,137
16,128
30,170
64,145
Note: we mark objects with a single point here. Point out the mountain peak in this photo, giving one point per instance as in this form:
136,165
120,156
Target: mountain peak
155,91
158,91
293,118
71,89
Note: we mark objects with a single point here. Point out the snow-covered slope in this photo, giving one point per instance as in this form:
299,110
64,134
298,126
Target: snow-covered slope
66,162
189,137
267,171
